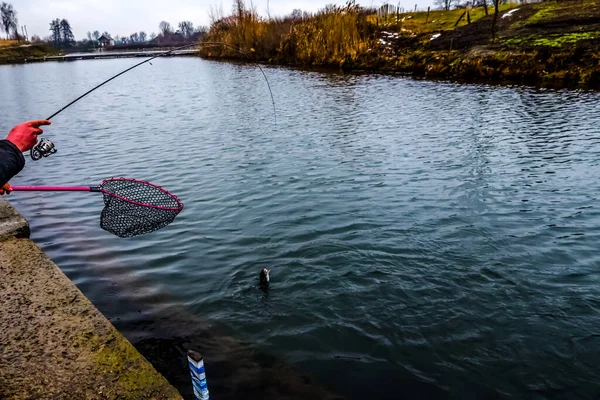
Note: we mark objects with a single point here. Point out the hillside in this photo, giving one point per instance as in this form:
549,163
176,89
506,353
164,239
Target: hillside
554,43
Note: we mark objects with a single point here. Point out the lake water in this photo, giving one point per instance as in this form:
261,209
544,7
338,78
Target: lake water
426,239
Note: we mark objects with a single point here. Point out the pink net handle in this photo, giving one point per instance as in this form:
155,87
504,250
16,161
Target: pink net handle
179,206
55,189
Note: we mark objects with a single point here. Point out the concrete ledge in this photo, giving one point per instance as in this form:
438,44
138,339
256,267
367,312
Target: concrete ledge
12,224
54,343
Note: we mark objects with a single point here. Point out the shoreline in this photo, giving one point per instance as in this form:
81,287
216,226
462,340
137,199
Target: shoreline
524,81
430,77
447,67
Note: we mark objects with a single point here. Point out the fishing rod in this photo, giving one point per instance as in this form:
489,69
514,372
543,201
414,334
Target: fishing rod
45,147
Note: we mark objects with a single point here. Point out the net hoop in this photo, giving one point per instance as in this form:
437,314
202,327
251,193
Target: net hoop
134,207
137,203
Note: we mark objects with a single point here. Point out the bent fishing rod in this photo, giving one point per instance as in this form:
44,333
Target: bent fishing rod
45,147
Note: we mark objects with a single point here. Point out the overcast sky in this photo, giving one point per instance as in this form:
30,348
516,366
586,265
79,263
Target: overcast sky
127,16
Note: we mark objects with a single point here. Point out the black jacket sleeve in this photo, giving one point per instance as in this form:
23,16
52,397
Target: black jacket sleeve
11,161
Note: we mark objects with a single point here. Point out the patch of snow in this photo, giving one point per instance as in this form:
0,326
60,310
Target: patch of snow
437,35
511,12
382,41
390,35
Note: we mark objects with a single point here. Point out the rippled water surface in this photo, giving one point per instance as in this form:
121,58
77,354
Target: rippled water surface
425,239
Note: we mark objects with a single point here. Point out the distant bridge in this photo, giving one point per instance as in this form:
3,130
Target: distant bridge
119,54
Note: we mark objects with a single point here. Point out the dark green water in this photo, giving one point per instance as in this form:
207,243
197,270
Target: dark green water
425,239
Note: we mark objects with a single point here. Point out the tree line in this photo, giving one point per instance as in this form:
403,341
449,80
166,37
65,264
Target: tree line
61,32
166,35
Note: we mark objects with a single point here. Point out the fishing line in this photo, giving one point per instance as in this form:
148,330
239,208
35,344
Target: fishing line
169,52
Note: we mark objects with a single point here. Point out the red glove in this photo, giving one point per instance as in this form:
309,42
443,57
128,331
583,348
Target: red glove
24,136
6,189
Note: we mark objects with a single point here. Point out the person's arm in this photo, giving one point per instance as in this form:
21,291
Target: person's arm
11,161
21,138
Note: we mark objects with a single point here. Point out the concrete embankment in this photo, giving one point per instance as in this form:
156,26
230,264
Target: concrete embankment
54,344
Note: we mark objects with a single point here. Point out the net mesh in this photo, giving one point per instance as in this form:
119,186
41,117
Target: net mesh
133,208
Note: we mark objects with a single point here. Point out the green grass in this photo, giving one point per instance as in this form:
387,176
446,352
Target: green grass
439,20
550,11
561,40
555,40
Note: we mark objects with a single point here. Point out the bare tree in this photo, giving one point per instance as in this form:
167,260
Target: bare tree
165,28
134,37
9,22
152,36
186,28
88,35
444,4
36,39
239,9
142,36
96,35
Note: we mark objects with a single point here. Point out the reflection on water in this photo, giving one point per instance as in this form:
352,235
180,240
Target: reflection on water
425,239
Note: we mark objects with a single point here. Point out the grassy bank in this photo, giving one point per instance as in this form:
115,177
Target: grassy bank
12,52
553,43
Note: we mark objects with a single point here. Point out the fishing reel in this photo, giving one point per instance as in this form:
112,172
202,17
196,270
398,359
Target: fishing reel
43,149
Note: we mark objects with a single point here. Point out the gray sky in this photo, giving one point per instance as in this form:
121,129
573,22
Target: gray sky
127,16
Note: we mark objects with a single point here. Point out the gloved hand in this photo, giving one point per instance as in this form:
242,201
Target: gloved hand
6,189
24,136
